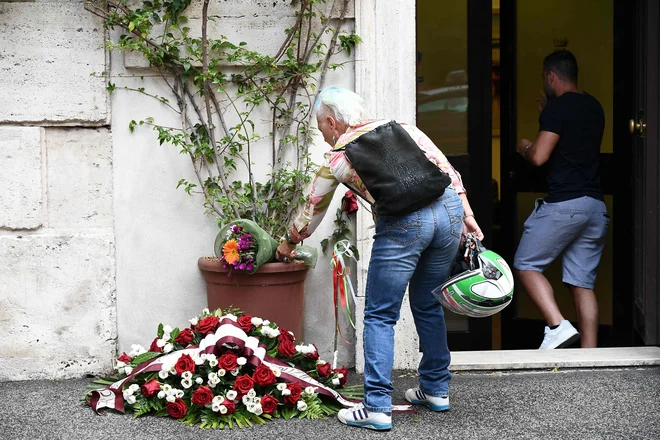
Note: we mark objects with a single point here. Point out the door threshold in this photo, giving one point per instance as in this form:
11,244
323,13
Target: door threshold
561,358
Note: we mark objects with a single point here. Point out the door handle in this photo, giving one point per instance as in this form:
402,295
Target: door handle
638,127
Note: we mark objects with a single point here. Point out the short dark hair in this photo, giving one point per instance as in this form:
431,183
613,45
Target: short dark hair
563,64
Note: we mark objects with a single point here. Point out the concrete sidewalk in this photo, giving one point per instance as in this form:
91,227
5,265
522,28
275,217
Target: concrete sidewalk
571,404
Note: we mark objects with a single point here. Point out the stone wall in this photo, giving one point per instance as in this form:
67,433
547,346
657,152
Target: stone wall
97,246
57,254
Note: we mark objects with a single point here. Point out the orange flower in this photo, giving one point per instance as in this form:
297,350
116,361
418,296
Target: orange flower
230,251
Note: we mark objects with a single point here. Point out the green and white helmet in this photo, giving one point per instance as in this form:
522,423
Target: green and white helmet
483,290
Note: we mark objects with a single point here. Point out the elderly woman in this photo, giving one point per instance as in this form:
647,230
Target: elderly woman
421,210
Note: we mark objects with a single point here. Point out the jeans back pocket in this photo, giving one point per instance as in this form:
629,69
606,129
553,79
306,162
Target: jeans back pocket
455,213
405,229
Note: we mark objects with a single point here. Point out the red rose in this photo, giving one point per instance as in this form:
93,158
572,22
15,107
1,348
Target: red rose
284,334
150,388
154,347
344,371
264,376
245,322
349,203
231,406
185,363
243,385
323,369
208,325
315,355
202,396
269,404
177,409
185,337
286,348
296,391
124,358
228,362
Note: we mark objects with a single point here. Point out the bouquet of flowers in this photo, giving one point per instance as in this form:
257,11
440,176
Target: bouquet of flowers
242,245
227,369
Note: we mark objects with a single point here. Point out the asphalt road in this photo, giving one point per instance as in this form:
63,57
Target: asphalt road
580,404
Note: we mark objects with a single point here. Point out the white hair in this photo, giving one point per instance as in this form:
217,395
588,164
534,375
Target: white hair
342,104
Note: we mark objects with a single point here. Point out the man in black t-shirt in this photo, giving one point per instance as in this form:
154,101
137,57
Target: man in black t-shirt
572,219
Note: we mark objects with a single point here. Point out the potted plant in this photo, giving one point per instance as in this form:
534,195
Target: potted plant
221,90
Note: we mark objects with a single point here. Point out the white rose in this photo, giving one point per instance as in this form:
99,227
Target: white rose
130,400
252,394
167,388
210,356
173,370
231,394
302,405
199,381
127,392
193,321
256,322
167,329
218,399
277,372
340,375
241,361
321,362
128,369
247,400
161,343
335,381
230,316
179,393
170,399
265,331
258,410
286,392
161,394
212,377
221,372
199,361
206,311
234,372
281,386
213,363
120,364
186,375
168,348
309,391
134,387
274,333
186,383
215,407
266,322
223,409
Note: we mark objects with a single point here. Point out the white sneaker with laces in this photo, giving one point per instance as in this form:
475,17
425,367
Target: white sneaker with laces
417,397
359,416
562,336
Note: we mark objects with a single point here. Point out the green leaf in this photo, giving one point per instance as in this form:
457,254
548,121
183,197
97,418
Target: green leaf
144,357
160,326
131,26
186,66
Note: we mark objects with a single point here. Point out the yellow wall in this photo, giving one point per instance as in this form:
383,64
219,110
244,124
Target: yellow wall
588,26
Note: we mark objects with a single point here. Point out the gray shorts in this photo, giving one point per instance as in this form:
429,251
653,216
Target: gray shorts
575,229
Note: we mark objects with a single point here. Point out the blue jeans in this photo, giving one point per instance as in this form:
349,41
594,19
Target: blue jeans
419,249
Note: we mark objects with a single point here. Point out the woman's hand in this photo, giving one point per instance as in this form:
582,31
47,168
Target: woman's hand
471,225
285,252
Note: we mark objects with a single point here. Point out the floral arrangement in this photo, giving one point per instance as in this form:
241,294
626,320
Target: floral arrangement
227,369
239,250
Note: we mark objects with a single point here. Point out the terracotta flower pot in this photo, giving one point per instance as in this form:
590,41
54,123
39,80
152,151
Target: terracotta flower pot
274,292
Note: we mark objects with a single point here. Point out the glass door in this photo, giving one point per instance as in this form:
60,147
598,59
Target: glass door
454,109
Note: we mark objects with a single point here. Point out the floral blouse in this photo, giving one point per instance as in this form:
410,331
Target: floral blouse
337,169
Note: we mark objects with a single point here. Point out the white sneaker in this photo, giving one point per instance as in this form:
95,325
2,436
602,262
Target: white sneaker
360,417
562,336
417,397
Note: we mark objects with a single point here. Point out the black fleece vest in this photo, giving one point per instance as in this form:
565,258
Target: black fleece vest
395,170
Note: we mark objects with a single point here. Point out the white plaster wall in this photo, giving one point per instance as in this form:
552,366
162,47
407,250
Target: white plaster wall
385,78
57,257
161,231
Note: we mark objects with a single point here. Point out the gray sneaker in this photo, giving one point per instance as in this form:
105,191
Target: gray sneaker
562,336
